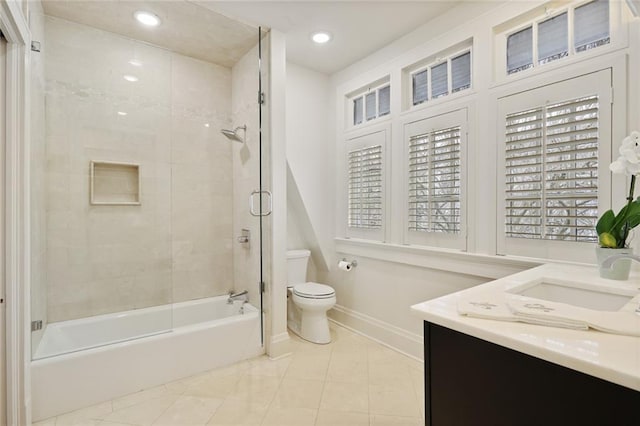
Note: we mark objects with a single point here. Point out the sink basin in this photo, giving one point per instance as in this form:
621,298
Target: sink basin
576,294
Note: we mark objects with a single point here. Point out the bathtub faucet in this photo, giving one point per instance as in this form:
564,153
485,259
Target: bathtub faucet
243,295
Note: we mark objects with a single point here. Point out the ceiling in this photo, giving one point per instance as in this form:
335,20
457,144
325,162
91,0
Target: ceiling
223,31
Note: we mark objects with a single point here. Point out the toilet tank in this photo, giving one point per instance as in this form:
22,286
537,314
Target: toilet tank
297,261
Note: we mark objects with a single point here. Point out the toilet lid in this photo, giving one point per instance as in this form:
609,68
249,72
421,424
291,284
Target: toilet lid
313,290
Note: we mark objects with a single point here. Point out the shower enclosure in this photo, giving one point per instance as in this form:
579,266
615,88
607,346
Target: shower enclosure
146,209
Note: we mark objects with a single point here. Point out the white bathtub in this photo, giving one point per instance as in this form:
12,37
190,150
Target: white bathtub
83,362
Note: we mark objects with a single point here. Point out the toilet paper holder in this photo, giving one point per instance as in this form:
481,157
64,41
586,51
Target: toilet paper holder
350,264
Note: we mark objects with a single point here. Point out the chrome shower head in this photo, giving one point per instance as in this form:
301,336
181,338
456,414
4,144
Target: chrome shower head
233,134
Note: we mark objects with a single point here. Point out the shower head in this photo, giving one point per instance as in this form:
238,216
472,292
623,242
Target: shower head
233,134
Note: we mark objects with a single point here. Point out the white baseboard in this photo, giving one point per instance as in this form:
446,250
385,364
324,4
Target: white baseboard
389,335
279,346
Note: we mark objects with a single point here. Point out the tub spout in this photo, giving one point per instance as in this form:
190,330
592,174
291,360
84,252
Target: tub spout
243,295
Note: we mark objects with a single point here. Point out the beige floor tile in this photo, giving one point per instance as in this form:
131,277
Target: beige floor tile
47,422
395,400
212,386
237,412
299,345
138,397
290,417
378,420
258,389
389,372
263,366
295,393
309,366
104,423
341,418
338,396
144,413
81,417
189,411
348,367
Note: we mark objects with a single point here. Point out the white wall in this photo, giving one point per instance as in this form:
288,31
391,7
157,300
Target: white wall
307,101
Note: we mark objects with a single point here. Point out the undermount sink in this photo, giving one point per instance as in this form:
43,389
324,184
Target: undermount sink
576,294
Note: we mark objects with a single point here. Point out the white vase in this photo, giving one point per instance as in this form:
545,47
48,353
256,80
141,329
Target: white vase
620,269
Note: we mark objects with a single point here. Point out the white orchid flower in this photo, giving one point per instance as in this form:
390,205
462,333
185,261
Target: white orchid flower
629,160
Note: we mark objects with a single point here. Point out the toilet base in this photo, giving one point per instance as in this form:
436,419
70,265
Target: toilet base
309,321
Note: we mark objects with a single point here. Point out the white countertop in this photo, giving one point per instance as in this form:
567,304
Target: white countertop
611,357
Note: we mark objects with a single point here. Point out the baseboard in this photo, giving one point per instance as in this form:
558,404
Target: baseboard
389,335
279,346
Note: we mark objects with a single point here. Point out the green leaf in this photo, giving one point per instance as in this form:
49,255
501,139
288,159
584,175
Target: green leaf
605,224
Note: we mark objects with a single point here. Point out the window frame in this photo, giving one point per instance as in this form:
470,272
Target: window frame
438,60
597,81
373,88
617,38
451,118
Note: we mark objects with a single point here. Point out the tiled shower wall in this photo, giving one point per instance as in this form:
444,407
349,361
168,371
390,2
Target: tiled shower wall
177,244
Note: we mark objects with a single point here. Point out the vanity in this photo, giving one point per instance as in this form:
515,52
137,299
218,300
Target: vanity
505,372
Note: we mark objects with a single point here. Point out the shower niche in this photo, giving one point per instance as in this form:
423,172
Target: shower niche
115,184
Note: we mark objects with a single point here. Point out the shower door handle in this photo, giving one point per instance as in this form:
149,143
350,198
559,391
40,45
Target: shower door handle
252,209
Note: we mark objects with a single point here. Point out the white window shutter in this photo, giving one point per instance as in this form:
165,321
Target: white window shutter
555,148
434,181
365,188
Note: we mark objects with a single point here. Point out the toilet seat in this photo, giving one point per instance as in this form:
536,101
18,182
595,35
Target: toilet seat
313,290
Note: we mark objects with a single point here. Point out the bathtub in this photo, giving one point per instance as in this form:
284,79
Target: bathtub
83,362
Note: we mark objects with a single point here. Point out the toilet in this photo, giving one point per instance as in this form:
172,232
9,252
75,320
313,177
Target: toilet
307,302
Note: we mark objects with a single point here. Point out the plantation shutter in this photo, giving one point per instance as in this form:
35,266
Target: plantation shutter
434,181
591,25
551,155
365,188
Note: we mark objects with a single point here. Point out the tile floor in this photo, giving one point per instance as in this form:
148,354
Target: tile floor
351,382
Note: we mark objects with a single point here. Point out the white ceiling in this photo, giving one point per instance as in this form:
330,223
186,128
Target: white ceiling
223,31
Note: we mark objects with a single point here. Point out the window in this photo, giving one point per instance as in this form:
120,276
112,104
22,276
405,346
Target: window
552,36
435,148
554,137
374,103
365,186
441,78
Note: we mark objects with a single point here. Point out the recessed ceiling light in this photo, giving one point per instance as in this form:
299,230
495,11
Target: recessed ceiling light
207,125
122,113
131,78
321,37
135,63
147,18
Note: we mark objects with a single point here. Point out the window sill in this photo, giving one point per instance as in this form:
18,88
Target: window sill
481,265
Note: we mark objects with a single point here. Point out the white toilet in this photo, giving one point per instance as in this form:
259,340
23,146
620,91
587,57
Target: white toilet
308,302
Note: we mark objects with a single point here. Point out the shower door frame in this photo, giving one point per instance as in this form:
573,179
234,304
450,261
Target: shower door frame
15,206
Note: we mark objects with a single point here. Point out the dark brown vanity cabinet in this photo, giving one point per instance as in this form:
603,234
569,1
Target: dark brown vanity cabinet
471,382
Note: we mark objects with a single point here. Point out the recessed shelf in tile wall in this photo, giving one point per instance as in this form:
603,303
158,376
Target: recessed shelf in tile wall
115,183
